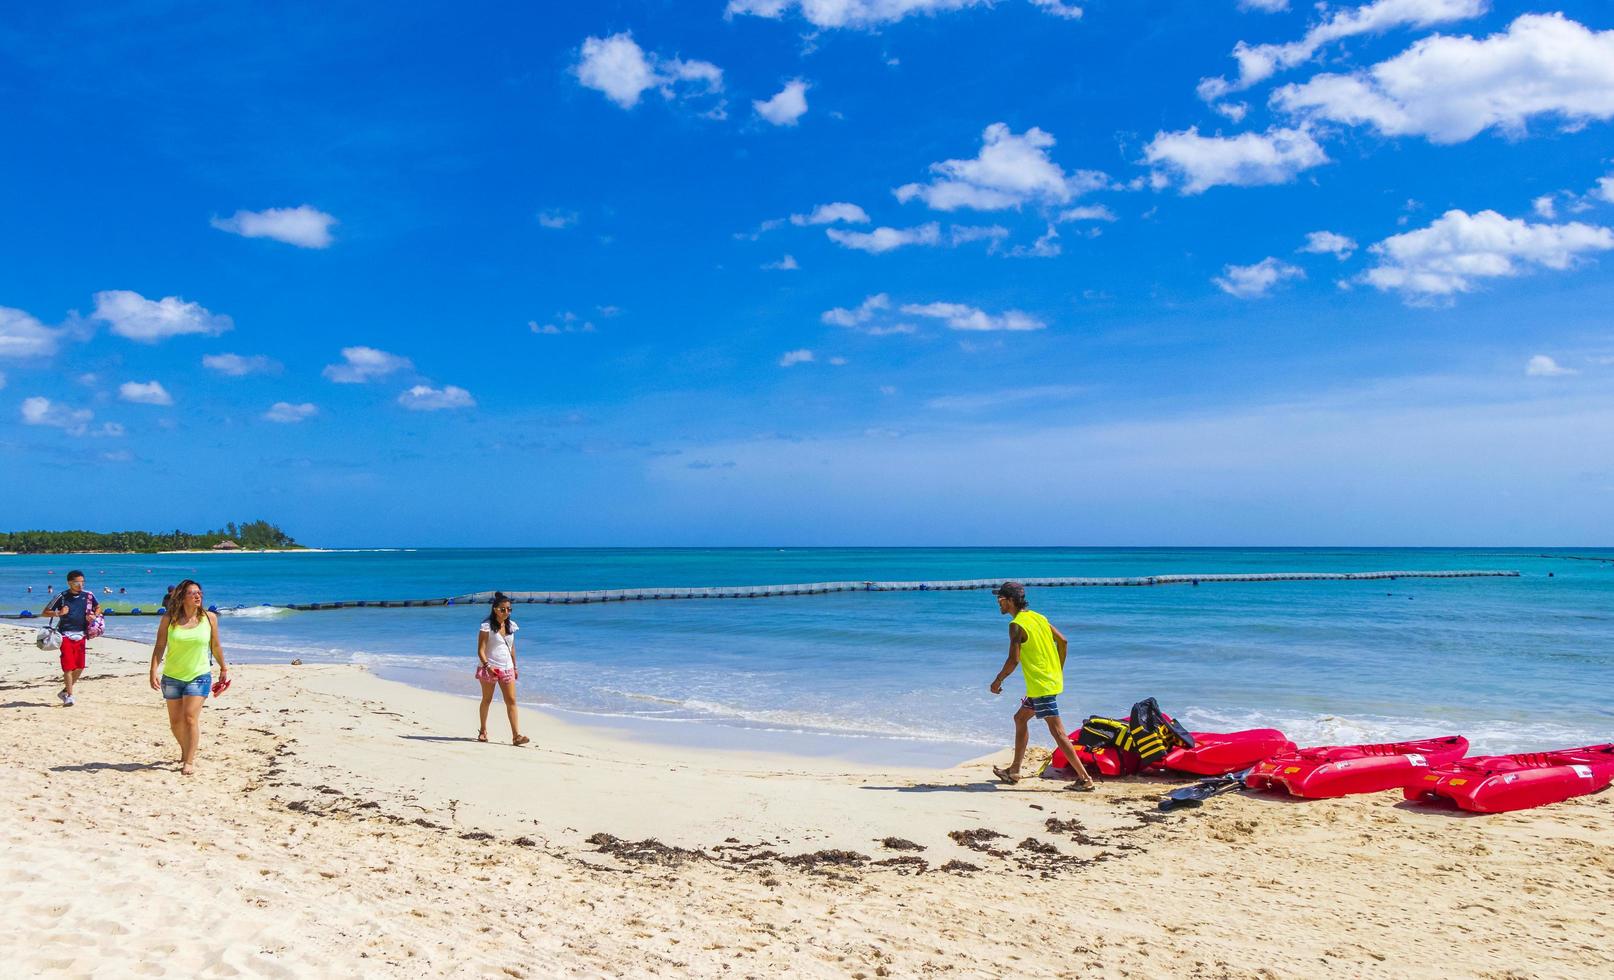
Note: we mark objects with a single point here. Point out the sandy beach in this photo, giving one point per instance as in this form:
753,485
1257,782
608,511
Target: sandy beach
342,825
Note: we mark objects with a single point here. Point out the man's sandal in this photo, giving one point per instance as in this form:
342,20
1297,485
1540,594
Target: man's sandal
1005,776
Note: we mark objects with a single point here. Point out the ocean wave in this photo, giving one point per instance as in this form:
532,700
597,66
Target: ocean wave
803,722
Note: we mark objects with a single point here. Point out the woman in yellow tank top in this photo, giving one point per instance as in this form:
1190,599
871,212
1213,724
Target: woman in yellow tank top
187,643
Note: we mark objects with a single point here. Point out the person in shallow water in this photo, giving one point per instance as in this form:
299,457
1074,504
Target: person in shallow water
1038,649
187,643
496,665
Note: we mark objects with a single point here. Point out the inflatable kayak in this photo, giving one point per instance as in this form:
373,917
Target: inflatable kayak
1500,783
1214,753
1219,753
1343,770
1103,762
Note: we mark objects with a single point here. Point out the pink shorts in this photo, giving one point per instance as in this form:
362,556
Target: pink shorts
72,655
493,675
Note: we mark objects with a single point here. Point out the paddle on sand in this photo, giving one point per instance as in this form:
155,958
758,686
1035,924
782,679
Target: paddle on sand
1204,789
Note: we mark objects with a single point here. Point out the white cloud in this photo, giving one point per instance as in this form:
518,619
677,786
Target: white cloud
42,411
23,336
1456,250
1009,171
361,364
1329,243
568,322
964,234
117,456
1450,89
1059,8
133,316
958,316
1265,6
1253,281
303,226
832,213
145,393
859,315
838,361
1542,366
1605,189
623,71
236,365
1087,212
793,357
288,412
840,316
786,264
786,107
424,398
1544,207
885,239
1258,62
1199,163
762,229
1045,247
872,13
557,219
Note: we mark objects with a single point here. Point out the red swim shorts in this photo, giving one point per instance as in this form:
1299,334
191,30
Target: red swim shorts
72,655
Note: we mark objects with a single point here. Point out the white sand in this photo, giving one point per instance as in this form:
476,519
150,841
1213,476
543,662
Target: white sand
334,830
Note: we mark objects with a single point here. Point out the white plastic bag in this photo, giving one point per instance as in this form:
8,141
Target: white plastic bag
48,639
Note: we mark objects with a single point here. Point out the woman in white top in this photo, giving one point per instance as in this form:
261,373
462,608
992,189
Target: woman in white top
496,657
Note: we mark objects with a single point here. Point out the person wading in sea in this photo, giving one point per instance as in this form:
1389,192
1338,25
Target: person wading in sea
1038,649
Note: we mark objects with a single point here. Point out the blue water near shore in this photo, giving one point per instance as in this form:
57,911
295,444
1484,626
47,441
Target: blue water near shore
1513,663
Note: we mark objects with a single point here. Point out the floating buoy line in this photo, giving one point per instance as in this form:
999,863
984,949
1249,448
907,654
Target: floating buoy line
826,588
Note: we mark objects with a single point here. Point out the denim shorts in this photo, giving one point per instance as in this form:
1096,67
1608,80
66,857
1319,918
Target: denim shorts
199,687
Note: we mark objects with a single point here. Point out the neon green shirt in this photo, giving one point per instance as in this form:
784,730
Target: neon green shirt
189,654
1039,655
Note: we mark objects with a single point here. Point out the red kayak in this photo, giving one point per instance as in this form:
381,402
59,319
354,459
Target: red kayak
1219,753
1213,754
1342,770
1500,783
1104,762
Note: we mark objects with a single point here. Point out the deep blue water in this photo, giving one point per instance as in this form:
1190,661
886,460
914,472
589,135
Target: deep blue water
1514,663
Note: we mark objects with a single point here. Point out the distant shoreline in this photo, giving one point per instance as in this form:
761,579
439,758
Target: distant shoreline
191,551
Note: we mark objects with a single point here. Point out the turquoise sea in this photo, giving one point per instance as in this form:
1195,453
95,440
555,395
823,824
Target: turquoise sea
1513,663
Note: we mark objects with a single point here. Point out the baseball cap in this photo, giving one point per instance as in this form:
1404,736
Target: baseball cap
1013,591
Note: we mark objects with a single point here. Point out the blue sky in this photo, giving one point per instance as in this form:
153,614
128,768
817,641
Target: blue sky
819,272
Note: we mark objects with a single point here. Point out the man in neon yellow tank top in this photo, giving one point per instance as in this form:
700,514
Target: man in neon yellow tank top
1038,649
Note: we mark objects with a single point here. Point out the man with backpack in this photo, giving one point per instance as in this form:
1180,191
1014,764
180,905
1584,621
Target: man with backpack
75,610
